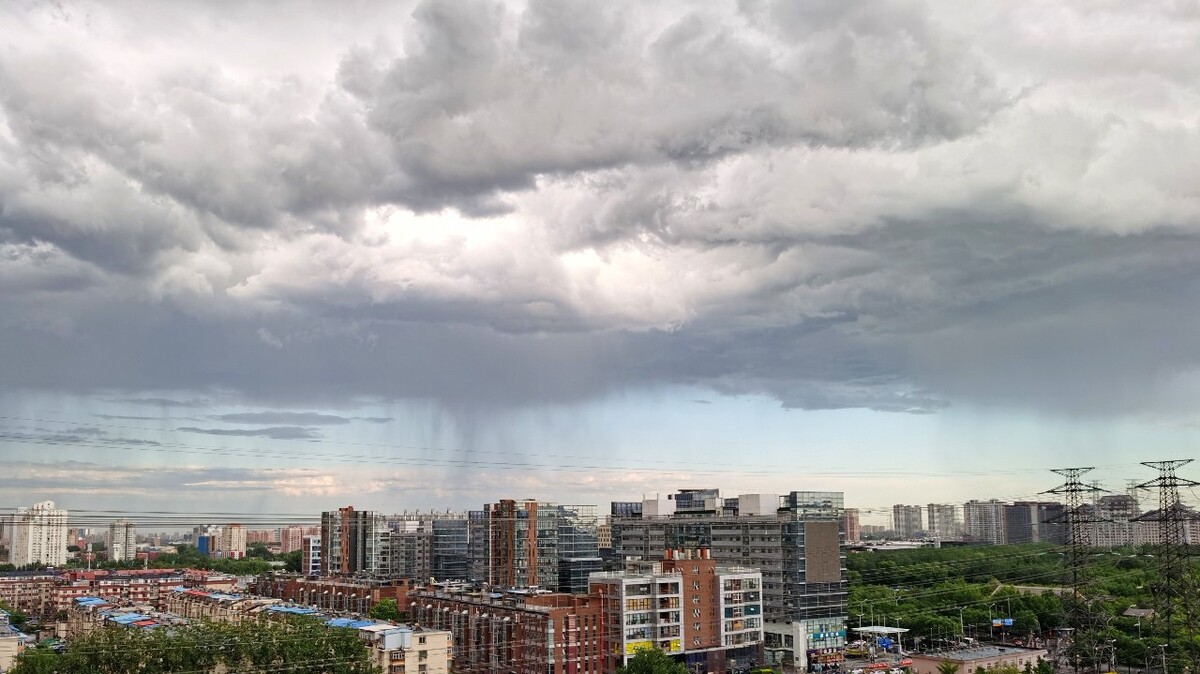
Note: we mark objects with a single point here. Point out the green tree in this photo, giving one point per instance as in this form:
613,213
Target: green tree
947,667
652,661
259,551
300,644
386,609
291,561
15,618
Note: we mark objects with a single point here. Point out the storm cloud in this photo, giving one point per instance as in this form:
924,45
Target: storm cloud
896,205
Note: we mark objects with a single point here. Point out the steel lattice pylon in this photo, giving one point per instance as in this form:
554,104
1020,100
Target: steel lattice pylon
1077,516
1175,590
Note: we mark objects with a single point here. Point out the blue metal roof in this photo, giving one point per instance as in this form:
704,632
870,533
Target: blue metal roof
130,618
347,622
298,610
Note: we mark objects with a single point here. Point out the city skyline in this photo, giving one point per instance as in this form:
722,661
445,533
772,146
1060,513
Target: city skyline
437,252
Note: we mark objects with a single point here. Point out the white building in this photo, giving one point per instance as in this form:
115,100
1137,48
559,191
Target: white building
232,543
39,535
400,649
122,541
983,521
310,555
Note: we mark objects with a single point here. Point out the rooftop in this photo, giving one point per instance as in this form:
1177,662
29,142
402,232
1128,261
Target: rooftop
980,652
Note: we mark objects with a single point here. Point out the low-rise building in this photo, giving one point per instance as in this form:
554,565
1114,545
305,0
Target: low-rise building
216,606
350,595
88,614
402,649
43,593
514,632
978,658
12,642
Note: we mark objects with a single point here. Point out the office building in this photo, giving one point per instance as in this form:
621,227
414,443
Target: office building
39,535
451,553
906,520
354,542
983,521
122,541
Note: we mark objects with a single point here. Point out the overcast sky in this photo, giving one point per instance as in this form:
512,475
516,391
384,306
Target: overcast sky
272,256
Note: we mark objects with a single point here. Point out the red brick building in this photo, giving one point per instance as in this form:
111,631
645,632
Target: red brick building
351,595
514,632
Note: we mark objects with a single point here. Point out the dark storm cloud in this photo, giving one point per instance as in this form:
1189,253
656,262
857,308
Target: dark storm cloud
273,433
896,205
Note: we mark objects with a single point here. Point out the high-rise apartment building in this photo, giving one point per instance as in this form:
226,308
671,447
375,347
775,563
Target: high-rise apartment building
232,542
685,605
906,520
851,526
983,521
942,522
532,543
354,542
39,535
1019,522
122,541
1114,525
290,539
796,541
1052,523
411,551
310,555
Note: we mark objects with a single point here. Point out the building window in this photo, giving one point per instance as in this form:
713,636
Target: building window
695,613
695,585
420,640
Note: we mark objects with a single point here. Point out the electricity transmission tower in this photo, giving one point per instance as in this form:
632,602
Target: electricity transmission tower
1079,517
1175,590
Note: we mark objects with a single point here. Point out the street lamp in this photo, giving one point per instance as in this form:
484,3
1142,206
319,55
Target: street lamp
961,628
991,622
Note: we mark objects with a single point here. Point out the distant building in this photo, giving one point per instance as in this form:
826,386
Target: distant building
232,542
942,521
122,541
852,527
1019,522
39,535
983,521
1114,525
1052,523
290,539
906,520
